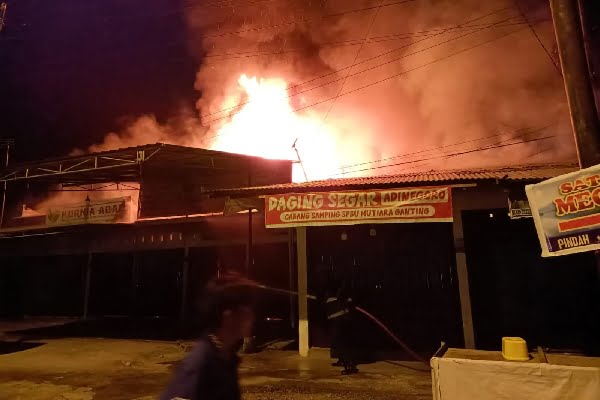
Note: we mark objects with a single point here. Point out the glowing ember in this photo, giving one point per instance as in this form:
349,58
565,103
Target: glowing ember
267,126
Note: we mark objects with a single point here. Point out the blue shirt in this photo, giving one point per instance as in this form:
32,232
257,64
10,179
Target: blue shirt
205,374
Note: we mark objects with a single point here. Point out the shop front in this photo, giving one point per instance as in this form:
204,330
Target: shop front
390,249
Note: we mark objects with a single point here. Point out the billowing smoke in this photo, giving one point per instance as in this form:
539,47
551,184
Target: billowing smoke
79,194
503,86
430,74
183,129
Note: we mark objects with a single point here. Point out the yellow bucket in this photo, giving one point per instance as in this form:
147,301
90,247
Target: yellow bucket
514,349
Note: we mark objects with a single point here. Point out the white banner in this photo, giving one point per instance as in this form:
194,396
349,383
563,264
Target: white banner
107,211
566,211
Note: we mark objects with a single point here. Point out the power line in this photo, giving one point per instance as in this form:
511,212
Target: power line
540,152
347,43
451,155
517,4
344,82
347,67
412,69
180,10
300,21
353,63
521,132
216,4
448,155
340,70
400,73
215,58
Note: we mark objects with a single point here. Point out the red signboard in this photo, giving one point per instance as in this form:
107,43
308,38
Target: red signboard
423,204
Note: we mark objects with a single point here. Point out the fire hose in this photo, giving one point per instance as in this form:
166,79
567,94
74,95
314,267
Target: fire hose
364,312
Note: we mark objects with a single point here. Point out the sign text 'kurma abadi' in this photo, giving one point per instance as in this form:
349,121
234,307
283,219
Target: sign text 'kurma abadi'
107,211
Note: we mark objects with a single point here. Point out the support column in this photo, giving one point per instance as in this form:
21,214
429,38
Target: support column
88,278
462,273
249,245
134,285
185,276
465,299
302,291
291,288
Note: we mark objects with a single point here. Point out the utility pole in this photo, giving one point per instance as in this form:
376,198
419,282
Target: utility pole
580,96
590,20
3,7
299,159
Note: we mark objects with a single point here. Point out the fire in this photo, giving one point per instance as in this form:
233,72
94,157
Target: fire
267,126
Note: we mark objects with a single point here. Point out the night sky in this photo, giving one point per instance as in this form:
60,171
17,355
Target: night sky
72,70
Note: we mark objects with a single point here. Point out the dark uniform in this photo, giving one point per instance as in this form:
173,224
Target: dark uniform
205,374
340,311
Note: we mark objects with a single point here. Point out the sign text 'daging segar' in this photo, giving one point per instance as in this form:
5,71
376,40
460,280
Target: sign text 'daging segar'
426,204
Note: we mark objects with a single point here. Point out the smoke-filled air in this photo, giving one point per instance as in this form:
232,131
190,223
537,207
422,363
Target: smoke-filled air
354,88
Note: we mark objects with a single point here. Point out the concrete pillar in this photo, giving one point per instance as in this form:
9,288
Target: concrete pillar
185,276
465,299
88,279
291,287
462,273
302,291
134,285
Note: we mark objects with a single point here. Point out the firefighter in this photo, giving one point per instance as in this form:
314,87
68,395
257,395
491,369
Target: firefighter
340,311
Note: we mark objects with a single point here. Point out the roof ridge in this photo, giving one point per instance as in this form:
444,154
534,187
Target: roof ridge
517,167
523,172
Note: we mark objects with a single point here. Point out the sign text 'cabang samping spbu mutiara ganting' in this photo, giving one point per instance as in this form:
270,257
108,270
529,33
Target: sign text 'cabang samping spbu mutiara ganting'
426,204
566,211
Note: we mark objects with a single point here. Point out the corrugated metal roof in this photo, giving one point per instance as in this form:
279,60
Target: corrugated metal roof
534,172
123,165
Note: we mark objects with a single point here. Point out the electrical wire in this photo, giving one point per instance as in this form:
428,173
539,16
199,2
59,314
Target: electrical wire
538,38
352,65
300,21
394,76
362,62
527,131
353,74
213,58
451,155
448,155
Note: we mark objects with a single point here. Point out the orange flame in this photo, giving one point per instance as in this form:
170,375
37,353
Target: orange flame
267,126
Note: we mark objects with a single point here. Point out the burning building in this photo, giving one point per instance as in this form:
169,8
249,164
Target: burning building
447,256
121,232
458,262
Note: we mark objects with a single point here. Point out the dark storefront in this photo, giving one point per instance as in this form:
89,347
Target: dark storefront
466,282
549,301
403,273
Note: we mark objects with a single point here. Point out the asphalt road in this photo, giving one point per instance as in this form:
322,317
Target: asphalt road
89,368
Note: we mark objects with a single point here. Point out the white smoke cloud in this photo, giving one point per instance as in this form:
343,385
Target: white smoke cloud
503,86
498,88
183,129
